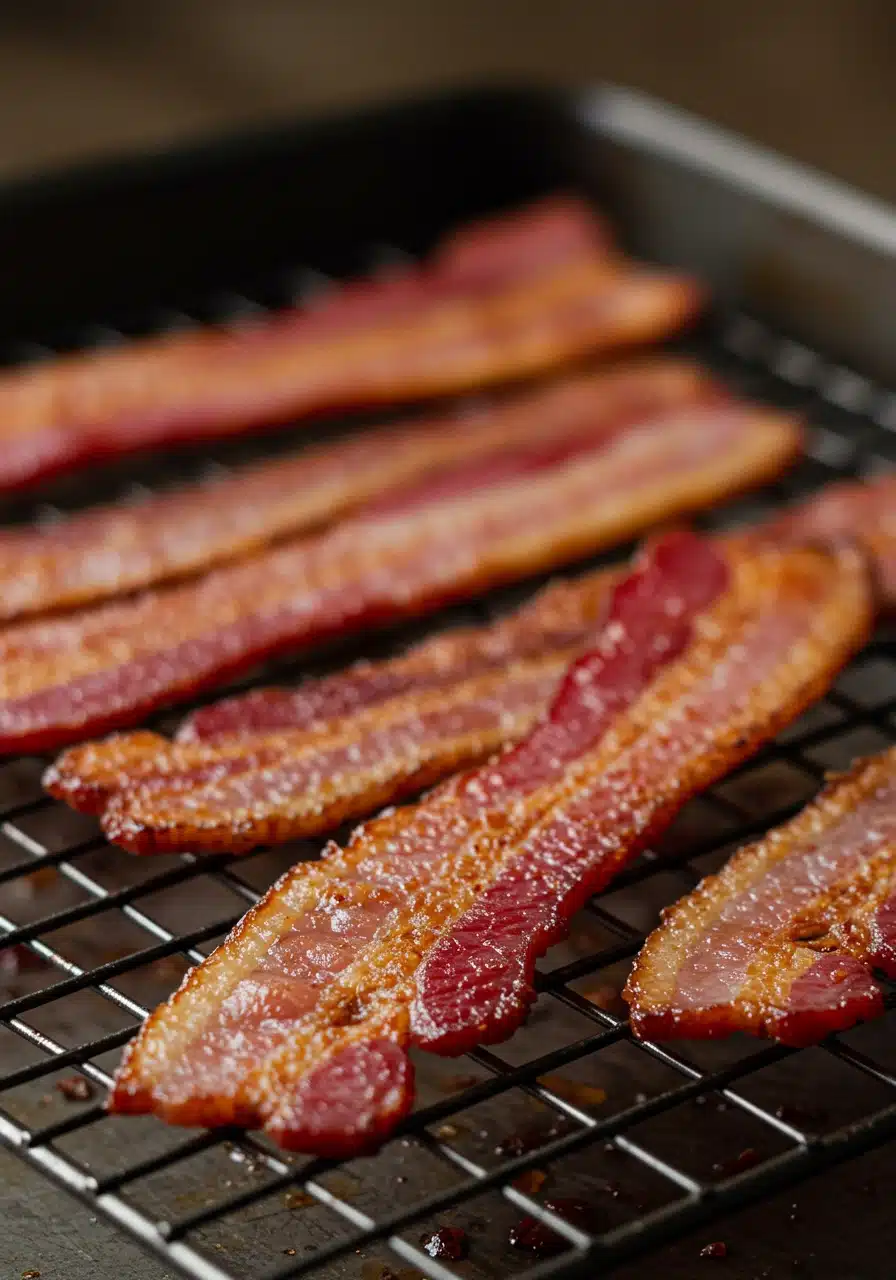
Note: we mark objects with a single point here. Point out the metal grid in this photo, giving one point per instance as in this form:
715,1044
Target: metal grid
472,1140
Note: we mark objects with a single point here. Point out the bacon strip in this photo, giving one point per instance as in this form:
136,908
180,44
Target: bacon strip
865,511
270,780
856,512
453,327
108,666
112,550
480,687
161,797
784,940
300,1022
559,617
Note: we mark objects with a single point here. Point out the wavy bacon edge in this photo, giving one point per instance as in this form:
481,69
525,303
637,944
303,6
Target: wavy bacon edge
455,665
213,383
864,511
142,815
435,555
111,550
289,1093
811,973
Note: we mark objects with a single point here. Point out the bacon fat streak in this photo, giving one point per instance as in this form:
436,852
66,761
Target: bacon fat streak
108,666
425,926
494,304
783,941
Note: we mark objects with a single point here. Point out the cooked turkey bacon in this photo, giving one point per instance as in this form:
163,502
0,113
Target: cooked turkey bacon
704,656
783,941
113,550
108,666
544,300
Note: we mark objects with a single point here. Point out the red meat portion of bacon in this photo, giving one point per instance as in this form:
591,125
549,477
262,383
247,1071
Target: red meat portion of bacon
107,667
559,617
322,972
387,343
784,940
236,793
112,550
339,746
863,511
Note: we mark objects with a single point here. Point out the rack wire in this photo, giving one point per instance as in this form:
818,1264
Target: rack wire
92,940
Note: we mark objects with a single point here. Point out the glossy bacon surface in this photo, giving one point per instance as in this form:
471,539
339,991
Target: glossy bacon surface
449,702
106,667
300,1022
113,550
783,941
559,617
236,793
864,511
454,326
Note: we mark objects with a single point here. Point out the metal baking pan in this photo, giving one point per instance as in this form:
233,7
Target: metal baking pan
655,1144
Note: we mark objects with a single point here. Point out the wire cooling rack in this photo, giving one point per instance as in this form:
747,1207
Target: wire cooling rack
614,1146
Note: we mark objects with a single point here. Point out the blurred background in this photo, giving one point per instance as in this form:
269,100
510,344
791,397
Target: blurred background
78,78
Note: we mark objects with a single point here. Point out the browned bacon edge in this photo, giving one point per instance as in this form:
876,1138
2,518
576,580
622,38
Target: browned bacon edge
862,510
109,551
106,667
437,332
784,940
358,738
289,762
426,925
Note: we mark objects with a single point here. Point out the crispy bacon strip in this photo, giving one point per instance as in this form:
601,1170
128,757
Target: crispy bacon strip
236,793
106,667
272,780
459,677
453,327
559,617
784,940
425,926
857,512
112,550
865,511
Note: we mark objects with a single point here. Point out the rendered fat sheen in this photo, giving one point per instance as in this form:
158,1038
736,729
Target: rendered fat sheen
300,1022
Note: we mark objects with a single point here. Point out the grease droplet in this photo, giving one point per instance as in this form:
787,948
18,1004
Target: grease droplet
531,1236
446,1242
